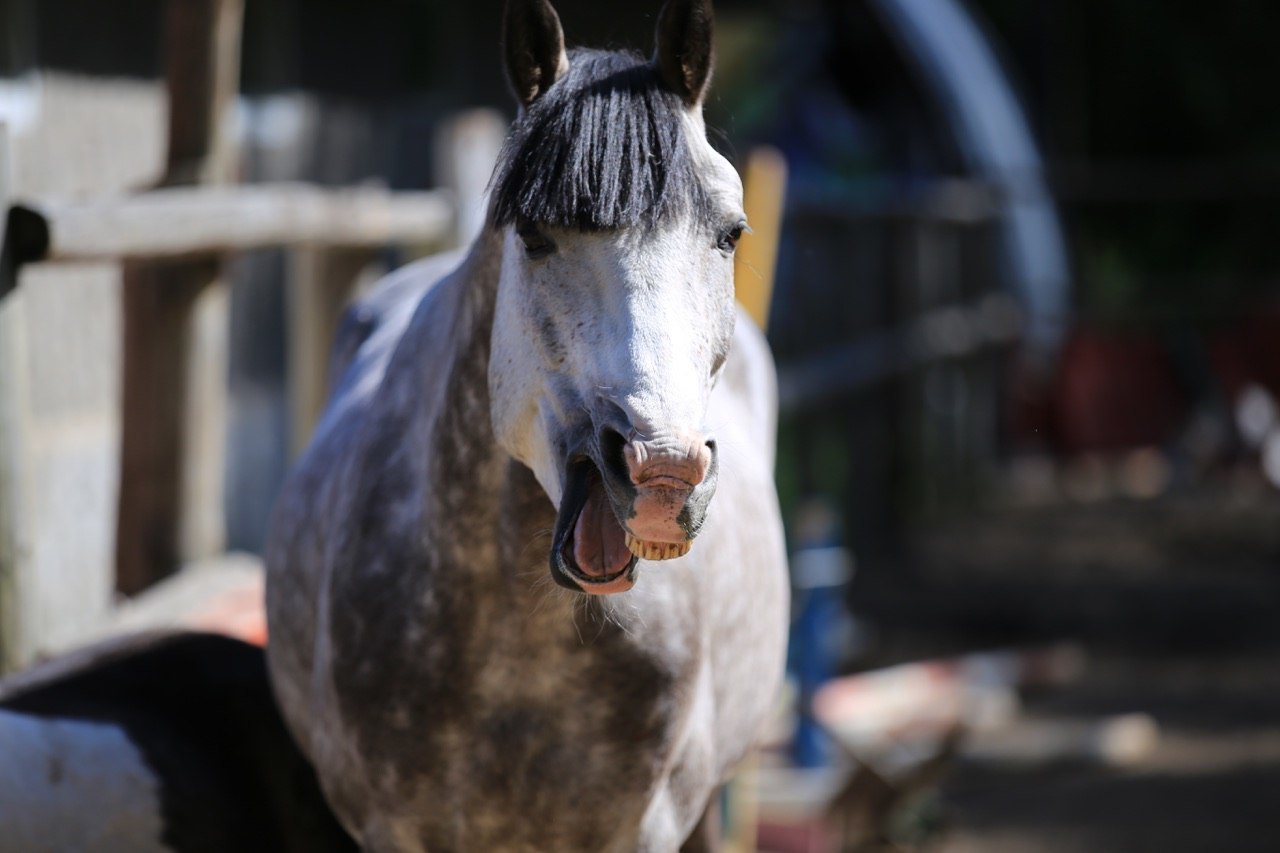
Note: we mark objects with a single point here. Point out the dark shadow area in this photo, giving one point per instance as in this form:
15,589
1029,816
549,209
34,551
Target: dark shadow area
1052,810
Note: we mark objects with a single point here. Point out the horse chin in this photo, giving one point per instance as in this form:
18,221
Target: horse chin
590,551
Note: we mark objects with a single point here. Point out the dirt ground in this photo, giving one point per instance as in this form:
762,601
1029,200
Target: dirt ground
1211,782
1176,603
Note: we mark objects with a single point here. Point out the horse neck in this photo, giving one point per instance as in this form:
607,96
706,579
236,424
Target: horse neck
473,495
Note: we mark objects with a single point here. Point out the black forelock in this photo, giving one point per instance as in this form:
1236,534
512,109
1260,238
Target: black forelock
603,149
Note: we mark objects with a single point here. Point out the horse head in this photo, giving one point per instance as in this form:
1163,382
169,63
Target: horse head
615,308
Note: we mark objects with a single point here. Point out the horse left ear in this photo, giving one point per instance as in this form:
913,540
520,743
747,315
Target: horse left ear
683,54
533,46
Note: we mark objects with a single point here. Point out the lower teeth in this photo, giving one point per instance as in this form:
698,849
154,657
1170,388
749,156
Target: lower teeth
657,550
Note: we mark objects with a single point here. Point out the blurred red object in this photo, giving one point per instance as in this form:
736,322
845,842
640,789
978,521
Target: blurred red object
1114,392
1248,352
237,613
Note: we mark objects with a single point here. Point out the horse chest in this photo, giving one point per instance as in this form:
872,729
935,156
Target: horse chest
525,732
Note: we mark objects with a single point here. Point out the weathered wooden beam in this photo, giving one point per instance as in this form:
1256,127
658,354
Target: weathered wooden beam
178,221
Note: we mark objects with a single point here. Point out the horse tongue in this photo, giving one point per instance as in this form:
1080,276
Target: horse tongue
599,544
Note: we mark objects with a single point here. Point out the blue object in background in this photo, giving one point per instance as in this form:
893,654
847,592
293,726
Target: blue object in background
821,628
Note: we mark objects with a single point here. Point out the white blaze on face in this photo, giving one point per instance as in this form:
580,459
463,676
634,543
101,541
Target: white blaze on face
74,785
641,318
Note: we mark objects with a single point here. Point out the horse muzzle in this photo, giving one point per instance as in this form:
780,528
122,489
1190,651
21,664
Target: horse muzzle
628,500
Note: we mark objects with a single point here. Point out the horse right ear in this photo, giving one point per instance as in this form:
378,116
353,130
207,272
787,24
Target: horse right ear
533,46
683,55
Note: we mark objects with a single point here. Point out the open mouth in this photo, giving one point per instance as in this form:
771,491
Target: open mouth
592,552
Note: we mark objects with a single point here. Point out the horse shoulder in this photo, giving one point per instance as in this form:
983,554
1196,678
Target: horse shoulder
373,325
311,505
384,336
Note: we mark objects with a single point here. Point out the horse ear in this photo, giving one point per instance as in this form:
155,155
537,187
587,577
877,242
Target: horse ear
683,55
533,46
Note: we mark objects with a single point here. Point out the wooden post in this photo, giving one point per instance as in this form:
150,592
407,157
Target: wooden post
467,147
13,548
765,195
321,282
202,70
161,485
8,263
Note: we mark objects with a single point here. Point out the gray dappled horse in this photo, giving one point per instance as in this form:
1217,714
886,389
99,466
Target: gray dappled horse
558,386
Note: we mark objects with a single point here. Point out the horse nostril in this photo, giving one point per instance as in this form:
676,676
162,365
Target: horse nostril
612,453
711,448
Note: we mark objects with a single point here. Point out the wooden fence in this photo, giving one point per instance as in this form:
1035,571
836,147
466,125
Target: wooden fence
171,242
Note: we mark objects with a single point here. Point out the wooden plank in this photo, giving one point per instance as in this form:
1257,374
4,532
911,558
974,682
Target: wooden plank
174,222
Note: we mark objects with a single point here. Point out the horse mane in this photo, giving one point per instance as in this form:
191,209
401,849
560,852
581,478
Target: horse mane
603,149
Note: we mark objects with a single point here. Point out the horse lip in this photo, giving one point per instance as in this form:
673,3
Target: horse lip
665,481
692,516
563,569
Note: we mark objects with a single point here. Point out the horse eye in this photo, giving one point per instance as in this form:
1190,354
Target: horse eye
729,238
536,244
